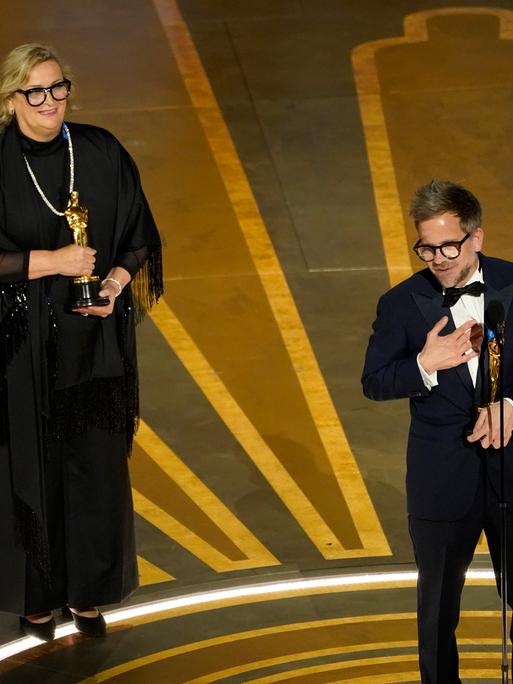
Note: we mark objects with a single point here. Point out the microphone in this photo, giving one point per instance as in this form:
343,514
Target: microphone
495,316
495,319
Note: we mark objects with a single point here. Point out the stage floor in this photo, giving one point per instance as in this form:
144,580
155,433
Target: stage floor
278,143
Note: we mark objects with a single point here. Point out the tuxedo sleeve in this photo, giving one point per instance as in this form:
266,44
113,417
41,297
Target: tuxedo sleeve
391,370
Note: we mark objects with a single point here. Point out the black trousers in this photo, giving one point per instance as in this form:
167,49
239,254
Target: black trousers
443,552
90,526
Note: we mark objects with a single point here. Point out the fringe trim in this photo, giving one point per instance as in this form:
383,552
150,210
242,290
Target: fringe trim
14,324
13,332
110,404
148,285
31,537
29,531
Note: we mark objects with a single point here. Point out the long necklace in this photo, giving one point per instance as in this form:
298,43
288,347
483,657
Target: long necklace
71,174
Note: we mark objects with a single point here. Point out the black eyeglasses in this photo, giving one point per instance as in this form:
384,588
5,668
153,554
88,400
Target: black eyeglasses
36,96
450,250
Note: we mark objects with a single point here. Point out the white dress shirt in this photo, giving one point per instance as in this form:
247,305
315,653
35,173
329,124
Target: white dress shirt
466,307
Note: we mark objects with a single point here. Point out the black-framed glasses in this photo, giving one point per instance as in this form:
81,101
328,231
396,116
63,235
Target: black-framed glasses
450,249
36,96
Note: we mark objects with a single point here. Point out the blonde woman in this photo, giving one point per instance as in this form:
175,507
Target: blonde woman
68,383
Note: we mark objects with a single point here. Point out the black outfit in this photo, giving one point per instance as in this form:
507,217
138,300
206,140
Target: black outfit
452,485
68,383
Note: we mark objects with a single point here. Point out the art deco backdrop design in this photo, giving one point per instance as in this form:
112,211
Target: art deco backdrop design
279,143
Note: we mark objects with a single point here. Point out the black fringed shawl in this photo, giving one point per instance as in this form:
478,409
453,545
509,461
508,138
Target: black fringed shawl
62,373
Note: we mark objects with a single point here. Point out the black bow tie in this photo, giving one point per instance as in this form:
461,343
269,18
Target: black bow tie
452,294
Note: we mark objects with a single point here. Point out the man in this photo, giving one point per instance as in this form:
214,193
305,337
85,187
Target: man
421,348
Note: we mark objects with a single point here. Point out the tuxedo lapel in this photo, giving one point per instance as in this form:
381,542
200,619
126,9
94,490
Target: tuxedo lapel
503,296
430,306
493,293
493,279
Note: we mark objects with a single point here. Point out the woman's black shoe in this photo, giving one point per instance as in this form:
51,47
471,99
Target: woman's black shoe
45,631
90,626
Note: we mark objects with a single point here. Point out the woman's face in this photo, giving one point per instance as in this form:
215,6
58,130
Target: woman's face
44,121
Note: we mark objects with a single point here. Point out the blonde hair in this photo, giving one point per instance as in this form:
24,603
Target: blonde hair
15,71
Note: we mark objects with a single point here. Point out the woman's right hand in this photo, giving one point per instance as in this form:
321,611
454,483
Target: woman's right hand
73,260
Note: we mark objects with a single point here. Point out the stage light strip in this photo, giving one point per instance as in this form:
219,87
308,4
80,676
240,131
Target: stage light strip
209,598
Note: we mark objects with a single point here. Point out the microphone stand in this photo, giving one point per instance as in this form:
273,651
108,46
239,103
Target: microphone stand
503,510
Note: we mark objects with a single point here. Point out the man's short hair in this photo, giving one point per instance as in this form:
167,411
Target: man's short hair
439,197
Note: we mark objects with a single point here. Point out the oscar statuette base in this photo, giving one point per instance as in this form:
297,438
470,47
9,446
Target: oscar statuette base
85,292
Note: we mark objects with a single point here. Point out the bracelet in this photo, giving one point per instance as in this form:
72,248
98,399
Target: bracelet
113,280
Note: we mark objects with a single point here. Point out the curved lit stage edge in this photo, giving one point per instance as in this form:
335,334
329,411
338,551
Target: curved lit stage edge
279,142
318,629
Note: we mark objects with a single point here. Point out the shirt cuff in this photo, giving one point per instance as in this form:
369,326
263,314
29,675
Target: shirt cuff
510,401
429,380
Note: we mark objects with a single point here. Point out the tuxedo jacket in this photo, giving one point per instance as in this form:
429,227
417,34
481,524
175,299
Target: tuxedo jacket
443,468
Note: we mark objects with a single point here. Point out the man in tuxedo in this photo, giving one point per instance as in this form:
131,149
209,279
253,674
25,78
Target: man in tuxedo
426,346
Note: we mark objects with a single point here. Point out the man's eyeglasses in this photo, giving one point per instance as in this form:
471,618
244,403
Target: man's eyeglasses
450,250
36,96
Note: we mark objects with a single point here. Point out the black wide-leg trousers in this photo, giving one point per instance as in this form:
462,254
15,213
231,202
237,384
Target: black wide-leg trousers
90,525
443,552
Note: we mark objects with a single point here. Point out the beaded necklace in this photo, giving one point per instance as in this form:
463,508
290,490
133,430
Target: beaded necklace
71,174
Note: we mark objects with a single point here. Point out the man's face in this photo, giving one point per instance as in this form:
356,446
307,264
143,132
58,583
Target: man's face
444,228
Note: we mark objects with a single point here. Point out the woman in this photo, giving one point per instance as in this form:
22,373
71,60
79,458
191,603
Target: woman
68,385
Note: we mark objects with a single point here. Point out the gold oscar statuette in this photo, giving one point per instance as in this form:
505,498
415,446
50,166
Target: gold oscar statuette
494,361
84,289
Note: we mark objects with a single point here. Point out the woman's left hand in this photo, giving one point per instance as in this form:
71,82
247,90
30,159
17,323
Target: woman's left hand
108,290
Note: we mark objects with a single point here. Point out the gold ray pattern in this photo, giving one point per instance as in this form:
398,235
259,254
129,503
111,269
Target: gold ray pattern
150,573
323,489
226,544
249,651
379,148
240,426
